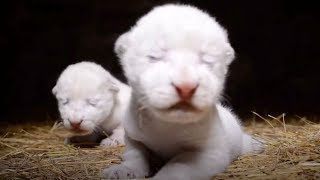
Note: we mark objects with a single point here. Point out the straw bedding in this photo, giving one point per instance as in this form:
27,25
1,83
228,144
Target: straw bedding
37,151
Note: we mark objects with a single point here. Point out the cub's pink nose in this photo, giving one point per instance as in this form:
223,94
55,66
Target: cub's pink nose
75,124
186,91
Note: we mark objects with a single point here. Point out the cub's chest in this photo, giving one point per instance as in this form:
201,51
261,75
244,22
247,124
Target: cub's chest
167,139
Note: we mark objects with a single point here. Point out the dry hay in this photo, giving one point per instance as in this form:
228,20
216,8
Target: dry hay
37,152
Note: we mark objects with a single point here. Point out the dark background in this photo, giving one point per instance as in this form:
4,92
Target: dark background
276,69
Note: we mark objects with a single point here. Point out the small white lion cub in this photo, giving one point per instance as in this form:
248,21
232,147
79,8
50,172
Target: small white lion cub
91,102
176,59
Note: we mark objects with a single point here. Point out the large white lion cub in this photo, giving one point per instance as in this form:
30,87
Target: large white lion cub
91,102
176,59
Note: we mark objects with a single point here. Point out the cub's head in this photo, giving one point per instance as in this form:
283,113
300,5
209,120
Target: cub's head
176,59
85,94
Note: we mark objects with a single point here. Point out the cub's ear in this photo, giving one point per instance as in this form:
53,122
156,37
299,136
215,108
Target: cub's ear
54,90
122,44
229,54
112,85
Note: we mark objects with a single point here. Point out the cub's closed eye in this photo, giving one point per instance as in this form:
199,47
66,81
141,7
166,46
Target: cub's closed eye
93,102
154,57
207,58
64,101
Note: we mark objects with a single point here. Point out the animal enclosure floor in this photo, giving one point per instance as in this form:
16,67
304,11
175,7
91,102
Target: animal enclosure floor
37,151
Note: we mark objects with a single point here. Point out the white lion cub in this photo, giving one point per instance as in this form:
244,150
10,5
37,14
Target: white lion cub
91,102
176,59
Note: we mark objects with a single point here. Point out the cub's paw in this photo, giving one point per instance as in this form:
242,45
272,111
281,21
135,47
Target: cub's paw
109,142
121,172
258,145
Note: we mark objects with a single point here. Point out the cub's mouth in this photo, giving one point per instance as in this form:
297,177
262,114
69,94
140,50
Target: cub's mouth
184,107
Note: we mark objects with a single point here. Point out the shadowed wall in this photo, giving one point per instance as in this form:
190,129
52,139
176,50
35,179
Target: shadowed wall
276,69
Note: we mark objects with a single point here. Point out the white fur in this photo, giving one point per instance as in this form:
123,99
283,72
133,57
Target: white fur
178,44
86,91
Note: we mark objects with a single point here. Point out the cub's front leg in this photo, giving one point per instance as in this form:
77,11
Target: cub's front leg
135,162
194,166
